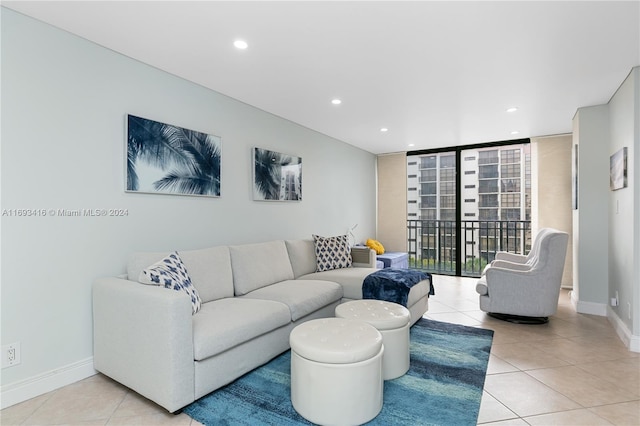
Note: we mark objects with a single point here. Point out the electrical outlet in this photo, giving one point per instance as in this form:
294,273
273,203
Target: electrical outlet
11,355
615,301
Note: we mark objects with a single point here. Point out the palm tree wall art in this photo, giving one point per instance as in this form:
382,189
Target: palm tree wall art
276,176
167,159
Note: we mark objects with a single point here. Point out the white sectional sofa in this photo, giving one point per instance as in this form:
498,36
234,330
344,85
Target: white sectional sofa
253,295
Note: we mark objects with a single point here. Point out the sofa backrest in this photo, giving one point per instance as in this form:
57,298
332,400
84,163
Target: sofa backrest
302,254
258,265
209,269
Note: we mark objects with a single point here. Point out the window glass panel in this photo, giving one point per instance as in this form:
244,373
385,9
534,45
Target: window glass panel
510,214
487,172
448,161
447,214
510,170
488,157
428,188
510,200
428,175
488,214
488,186
447,202
428,162
510,155
447,187
428,214
488,200
428,201
510,185
447,174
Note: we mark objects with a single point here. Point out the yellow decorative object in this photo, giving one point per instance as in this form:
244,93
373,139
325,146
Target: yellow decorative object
375,245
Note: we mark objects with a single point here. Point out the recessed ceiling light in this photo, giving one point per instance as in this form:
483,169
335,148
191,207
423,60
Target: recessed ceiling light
240,44
515,132
336,101
412,144
384,129
512,109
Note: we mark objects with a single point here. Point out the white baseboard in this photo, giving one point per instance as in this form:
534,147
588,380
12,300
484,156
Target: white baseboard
589,308
14,393
631,341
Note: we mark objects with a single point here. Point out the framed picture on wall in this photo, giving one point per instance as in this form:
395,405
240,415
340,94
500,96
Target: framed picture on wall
167,159
276,176
618,170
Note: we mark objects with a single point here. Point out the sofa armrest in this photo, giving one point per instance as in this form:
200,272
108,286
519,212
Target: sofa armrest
363,257
143,339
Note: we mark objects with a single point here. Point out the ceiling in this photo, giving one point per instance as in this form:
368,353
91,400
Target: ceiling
435,74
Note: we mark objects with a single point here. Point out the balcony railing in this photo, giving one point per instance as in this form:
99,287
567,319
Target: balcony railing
433,244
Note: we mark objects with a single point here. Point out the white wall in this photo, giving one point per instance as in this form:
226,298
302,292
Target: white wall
64,102
590,230
624,254
606,234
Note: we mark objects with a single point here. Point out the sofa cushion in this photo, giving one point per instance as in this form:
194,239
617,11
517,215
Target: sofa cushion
302,254
209,269
258,265
332,252
171,273
301,296
349,278
225,323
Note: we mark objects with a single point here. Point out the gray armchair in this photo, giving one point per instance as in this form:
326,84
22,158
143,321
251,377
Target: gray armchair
526,291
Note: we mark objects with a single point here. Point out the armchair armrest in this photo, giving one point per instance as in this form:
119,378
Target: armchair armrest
510,265
513,291
363,257
143,339
511,257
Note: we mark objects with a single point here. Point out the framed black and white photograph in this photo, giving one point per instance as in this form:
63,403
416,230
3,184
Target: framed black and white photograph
167,159
276,176
618,170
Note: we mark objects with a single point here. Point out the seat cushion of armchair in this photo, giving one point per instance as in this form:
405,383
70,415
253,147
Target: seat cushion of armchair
225,323
301,296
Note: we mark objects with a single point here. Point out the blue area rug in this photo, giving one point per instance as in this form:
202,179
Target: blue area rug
442,387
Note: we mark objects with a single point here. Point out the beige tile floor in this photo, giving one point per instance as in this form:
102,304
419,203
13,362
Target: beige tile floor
572,371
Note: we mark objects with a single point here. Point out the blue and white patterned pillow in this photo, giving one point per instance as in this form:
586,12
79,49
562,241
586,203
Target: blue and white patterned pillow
332,252
171,273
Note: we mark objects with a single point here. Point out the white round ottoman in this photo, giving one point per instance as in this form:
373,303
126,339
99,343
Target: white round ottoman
392,320
336,371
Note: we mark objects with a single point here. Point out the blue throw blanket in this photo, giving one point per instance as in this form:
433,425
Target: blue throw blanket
393,285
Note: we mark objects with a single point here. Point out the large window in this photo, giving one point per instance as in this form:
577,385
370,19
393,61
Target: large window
471,212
